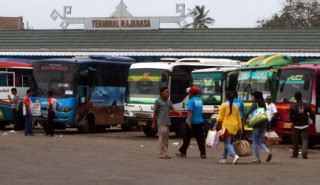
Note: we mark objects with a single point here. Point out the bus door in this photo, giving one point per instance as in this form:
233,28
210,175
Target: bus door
317,93
82,102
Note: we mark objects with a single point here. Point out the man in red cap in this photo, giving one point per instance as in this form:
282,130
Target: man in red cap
194,124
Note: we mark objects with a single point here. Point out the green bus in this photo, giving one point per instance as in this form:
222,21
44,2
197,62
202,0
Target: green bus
260,74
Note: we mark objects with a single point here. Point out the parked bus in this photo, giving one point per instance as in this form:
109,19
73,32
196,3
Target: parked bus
305,78
260,74
14,73
145,81
213,83
90,92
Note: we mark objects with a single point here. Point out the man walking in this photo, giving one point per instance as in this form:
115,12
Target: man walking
272,113
27,112
161,119
15,108
194,124
299,116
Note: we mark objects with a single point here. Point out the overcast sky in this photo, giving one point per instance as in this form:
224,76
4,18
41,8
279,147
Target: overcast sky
227,13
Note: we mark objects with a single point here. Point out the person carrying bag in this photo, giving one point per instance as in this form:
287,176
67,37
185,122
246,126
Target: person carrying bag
259,127
229,118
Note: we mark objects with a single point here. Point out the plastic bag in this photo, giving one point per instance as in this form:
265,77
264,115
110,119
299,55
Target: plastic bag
212,139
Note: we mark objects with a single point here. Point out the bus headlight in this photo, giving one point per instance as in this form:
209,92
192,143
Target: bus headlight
65,109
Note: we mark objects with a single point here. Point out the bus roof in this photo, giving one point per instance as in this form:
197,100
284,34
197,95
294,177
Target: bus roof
187,62
267,61
314,67
217,61
210,70
87,60
15,63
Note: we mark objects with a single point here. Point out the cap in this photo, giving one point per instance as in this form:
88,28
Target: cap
193,90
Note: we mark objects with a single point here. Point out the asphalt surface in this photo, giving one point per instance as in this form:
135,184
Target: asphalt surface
116,157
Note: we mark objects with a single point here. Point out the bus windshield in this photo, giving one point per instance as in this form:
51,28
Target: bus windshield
250,81
56,77
210,85
144,85
292,81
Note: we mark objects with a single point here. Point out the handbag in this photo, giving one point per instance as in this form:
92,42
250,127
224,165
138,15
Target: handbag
212,139
257,116
242,148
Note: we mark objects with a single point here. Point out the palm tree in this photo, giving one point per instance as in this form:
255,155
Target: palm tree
200,18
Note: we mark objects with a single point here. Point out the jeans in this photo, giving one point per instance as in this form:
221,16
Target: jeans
197,131
28,125
258,135
228,148
303,133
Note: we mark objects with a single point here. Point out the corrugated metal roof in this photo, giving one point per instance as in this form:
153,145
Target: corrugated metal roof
163,42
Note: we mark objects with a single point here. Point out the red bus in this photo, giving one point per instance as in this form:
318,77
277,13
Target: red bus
303,77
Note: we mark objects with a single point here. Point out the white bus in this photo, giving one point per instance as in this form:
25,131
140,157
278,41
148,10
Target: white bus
14,73
213,83
145,81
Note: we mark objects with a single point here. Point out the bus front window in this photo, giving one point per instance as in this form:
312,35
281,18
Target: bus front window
55,77
210,85
144,85
292,81
260,82
244,87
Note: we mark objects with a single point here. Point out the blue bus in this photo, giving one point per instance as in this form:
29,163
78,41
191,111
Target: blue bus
90,91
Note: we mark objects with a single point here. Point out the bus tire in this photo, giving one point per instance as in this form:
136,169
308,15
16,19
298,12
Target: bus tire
148,131
126,127
87,127
312,141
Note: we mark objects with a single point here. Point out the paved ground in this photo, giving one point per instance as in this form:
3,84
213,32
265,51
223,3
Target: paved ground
116,157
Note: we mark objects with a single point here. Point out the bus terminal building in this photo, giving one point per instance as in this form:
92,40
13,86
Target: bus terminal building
151,45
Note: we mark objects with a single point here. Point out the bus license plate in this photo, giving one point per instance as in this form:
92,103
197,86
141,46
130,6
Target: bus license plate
142,123
287,125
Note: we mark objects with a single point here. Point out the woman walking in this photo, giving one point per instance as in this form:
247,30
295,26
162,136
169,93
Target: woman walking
259,130
229,117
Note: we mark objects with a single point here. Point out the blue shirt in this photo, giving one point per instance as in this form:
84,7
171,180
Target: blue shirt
195,105
240,105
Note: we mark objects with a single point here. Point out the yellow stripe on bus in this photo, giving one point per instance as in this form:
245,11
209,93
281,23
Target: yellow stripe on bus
141,78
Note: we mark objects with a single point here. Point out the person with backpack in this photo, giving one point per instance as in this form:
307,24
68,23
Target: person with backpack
299,116
52,107
229,117
259,130
15,108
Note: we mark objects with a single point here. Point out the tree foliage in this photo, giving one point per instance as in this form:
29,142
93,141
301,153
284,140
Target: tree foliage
200,18
300,15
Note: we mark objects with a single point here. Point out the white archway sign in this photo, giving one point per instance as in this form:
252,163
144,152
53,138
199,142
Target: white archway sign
121,19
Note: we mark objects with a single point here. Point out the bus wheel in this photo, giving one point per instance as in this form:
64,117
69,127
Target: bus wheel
148,131
87,127
126,127
2,125
312,141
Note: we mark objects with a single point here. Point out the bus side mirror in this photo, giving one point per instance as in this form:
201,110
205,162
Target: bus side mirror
164,78
282,86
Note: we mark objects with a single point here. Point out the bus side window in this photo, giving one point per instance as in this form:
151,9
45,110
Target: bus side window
26,81
18,80
6,80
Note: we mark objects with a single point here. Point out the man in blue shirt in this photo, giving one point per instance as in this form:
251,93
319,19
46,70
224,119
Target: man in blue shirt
194,124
